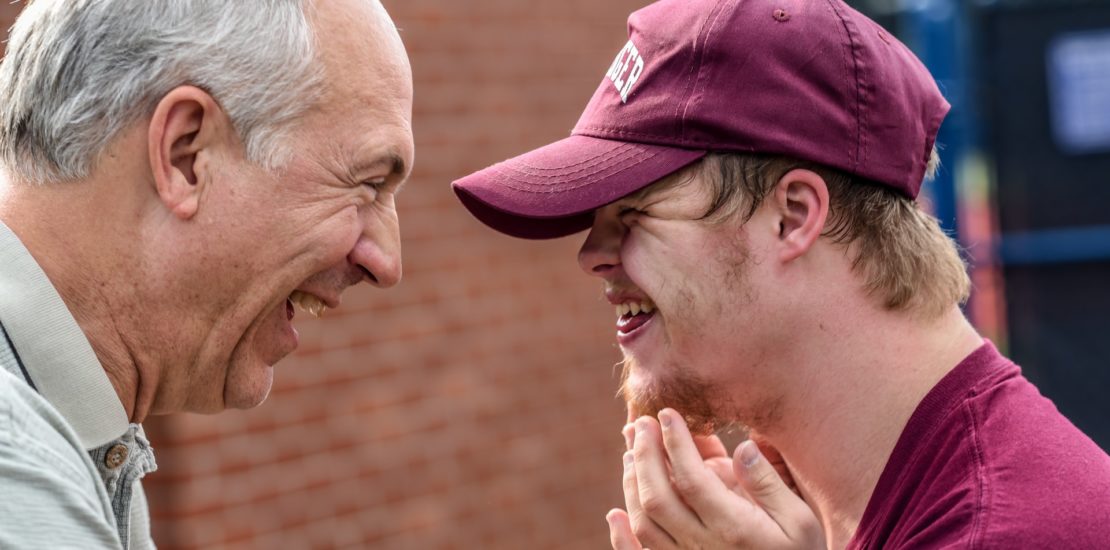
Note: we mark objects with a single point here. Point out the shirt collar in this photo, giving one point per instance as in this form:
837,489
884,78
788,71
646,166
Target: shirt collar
56,354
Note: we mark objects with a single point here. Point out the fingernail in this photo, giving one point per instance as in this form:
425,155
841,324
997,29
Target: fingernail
629,433
665,419
749,455
640,425
628,458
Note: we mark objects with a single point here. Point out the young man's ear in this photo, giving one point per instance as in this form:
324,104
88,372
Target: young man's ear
801,200
186,124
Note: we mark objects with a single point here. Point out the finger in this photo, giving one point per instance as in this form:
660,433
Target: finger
760,480
629,433
710,446
774,457
642,525
722,468
657,495
620,531
717,458
711,500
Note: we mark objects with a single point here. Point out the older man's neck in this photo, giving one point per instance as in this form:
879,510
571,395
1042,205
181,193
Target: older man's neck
863,383
78,233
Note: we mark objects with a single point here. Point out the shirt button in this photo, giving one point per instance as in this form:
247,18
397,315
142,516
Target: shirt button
116,455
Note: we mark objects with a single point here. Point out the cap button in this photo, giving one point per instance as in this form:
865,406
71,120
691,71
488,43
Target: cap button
781,15
116,455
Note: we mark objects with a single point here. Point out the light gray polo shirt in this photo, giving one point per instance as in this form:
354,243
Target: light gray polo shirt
70,462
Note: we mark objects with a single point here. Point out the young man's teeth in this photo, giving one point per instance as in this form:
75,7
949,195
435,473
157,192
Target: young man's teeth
308,303
634,308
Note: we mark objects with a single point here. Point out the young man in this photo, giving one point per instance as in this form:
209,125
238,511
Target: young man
747,171
176,176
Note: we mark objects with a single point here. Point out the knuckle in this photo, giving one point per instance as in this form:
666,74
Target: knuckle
642,529
654,505
764,482
733,536
688,485
629,478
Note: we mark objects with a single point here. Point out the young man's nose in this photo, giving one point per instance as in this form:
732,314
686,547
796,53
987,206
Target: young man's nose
600,254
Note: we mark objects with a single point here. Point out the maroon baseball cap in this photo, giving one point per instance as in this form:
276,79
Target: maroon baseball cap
810,79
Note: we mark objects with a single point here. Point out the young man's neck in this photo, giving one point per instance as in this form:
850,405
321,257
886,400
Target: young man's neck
863,382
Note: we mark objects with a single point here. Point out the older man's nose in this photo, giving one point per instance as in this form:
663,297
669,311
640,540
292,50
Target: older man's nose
378,258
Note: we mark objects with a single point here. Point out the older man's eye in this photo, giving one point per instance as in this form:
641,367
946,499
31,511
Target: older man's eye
374,187
375,184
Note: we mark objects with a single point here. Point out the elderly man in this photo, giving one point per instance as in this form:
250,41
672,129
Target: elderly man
747,172
176,177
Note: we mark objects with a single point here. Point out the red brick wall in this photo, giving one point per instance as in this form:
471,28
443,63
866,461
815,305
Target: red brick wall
470,407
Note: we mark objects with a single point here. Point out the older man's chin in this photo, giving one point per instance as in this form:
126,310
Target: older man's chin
250,372
248,385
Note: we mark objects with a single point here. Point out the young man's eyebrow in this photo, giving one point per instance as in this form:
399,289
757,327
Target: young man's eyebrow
679,177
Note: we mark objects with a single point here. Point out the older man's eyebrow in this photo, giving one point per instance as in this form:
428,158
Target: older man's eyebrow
393,159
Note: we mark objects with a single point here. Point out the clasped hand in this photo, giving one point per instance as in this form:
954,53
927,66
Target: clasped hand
685,492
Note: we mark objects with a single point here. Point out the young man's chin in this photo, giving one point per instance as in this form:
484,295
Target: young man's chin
646,395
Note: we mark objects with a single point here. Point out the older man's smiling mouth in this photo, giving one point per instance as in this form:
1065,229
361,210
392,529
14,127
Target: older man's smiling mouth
307,302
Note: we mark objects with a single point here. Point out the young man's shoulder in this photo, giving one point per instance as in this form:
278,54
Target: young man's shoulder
988,462
1044,482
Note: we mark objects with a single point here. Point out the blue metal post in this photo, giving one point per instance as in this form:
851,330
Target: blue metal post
937,31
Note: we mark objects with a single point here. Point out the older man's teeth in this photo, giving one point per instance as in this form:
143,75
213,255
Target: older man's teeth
308,303
634,308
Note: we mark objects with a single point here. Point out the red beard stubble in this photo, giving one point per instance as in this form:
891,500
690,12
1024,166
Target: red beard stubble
707,407
684,392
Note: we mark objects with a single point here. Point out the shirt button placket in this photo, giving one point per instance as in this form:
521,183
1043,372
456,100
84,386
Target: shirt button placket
116,456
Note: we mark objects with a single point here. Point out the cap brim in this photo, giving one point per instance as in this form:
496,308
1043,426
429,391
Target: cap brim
553,191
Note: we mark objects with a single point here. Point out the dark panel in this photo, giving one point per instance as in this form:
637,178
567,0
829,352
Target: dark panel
1039,185
1059,319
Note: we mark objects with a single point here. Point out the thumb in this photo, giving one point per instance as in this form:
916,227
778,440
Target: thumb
762,483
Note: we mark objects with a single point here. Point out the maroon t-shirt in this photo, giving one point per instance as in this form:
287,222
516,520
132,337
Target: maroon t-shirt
987,462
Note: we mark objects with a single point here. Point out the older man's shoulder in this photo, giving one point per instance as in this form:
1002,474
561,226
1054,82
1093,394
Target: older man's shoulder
52,493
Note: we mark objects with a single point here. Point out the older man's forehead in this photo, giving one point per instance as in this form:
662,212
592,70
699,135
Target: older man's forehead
358,35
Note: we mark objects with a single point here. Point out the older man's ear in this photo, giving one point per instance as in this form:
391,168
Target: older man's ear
187,128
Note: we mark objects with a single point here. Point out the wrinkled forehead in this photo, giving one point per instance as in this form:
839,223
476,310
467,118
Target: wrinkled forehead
361,50
366,98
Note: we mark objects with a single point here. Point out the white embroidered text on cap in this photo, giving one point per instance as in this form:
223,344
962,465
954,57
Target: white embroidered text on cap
626,70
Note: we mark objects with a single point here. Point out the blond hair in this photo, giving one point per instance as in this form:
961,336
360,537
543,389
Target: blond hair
906,260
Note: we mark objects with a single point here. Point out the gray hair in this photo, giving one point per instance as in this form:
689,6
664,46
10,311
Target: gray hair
78,72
